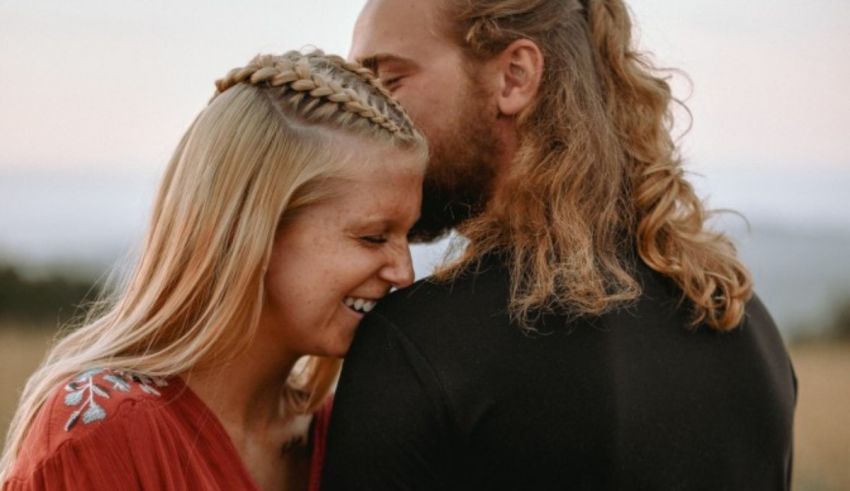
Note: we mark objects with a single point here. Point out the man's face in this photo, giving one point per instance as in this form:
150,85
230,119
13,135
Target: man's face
404,42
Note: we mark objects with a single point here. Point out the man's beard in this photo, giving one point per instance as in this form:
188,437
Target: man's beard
460,174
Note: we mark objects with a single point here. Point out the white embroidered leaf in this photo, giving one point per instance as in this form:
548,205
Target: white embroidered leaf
74,398
93,413
91,372
99,391
72,420
143,379
117,382
149,389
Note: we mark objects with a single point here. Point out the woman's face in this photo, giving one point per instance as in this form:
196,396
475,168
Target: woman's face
335,259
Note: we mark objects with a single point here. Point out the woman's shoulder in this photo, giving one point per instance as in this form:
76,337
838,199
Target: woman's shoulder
108,429
94,397
95,412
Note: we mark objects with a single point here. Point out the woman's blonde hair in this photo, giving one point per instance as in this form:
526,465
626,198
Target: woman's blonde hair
597,176
261,150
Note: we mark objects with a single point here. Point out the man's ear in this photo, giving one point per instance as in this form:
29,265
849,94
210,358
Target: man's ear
520,68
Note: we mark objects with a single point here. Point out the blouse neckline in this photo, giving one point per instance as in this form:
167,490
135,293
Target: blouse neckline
209,417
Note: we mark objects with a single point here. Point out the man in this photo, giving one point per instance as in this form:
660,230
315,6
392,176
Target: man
592,334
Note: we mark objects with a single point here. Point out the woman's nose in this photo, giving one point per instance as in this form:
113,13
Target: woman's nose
399,270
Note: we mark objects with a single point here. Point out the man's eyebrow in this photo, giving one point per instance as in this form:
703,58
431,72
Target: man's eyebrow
372,62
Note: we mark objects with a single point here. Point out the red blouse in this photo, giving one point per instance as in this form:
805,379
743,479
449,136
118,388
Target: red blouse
113,430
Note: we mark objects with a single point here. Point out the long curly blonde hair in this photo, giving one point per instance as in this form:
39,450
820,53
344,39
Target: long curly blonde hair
597,177
260,151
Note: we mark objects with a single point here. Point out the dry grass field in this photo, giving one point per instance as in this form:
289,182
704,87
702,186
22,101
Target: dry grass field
822,429
822,433
21,350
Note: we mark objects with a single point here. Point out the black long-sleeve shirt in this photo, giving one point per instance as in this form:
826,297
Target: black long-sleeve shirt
440,390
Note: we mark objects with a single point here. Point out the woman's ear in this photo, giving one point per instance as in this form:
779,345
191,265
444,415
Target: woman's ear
520,68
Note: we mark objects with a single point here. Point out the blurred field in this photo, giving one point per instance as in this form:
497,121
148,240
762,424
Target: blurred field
822,433
21,350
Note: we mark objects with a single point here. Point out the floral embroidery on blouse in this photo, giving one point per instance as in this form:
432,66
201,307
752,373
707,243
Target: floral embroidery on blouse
84,390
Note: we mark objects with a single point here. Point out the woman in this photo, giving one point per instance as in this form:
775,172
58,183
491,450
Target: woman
281,219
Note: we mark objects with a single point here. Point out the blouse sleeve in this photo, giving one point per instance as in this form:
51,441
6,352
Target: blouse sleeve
131,450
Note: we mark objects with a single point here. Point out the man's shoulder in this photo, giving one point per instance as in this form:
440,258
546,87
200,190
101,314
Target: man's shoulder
459,299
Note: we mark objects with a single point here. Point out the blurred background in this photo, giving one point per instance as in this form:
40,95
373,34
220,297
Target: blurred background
95,94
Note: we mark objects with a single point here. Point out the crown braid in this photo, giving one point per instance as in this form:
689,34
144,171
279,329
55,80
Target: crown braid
367,76
306,84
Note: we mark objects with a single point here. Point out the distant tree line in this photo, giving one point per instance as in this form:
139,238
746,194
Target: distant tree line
50,301
834,325
58,299
840,326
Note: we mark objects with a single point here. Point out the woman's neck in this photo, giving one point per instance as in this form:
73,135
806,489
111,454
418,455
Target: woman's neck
246,396
246,393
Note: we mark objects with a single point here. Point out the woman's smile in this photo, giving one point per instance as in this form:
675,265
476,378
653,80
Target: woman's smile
346,251
360,305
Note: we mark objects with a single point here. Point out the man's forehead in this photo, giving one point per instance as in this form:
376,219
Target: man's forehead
394,27
400,9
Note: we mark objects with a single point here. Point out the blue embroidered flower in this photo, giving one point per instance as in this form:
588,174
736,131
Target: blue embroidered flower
83,391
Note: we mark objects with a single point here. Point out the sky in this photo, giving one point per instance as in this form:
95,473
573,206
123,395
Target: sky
95,94
110,85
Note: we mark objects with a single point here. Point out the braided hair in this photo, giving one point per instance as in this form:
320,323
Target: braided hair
324,88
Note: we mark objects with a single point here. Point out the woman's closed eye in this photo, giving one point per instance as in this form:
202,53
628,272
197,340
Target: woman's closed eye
391,82
374,239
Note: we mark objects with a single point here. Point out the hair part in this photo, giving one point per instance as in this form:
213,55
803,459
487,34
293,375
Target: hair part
597,181
255,155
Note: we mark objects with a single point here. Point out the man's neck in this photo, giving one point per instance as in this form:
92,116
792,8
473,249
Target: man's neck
508,146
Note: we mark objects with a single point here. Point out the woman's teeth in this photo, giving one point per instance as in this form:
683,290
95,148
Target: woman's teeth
360,304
